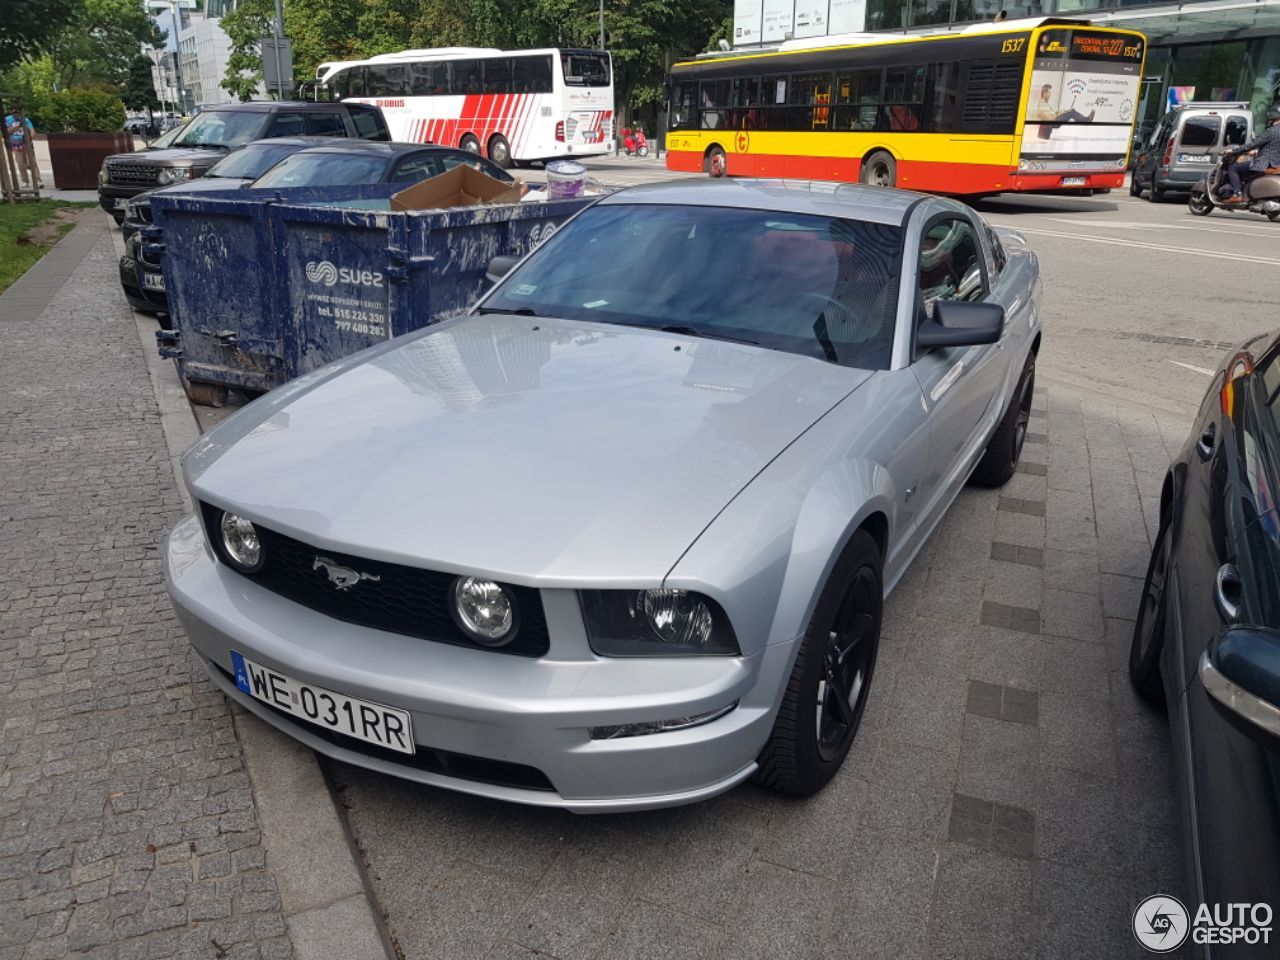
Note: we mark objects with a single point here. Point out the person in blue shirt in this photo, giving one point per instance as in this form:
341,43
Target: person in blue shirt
18,134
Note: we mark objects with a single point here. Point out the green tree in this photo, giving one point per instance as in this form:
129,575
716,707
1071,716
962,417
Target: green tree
28,26
245,26
100,41
139,87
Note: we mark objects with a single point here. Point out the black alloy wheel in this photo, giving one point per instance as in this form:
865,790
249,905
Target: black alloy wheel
846,665
826,694
1149,628
1004,449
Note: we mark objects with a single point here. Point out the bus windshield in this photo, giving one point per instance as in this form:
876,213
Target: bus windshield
585,69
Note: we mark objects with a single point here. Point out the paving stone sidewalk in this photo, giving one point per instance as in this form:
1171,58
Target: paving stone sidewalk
127,827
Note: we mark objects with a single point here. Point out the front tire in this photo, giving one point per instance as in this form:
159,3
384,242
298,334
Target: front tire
880,170
1156,195
1004,449
1149,628
825,697
1135,190
1199,203
717,163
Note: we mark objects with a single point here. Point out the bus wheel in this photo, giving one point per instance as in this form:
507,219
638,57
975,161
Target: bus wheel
717,165
500,151
880,170
470,144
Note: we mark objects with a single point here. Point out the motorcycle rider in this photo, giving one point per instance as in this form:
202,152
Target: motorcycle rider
1266,154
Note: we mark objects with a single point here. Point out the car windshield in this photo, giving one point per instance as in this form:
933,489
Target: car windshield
222,128
253,161
324,170
812,285
585,69
166,139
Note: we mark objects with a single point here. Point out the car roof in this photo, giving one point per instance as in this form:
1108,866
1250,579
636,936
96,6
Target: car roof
392,148
849,201
262,106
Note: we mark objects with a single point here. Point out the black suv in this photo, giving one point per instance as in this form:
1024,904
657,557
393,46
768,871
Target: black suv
215,132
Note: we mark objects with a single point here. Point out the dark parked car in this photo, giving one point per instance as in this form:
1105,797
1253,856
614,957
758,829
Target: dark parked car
1207,637
140,273
308,162
215,132
357,162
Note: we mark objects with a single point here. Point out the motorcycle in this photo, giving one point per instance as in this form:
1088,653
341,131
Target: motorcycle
1261,194
634,142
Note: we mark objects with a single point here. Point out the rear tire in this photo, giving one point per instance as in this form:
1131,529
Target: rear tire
470,144
1004,449
1156,195
717,163
1134,189
1274,217
826,695
880,170
1148,629
500,151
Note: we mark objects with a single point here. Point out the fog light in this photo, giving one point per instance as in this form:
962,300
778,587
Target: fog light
241,543
484,610
658,726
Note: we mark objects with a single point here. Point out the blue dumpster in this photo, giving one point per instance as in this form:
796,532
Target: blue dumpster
264,287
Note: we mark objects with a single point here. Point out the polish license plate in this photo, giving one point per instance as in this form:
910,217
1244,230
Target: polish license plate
1074,181
153,281
1194,158
118,203
362,719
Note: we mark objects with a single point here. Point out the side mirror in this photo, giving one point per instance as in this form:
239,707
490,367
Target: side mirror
1242,673
960,323
499,267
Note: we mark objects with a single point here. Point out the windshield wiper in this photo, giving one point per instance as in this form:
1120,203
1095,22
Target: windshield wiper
518,311
689,331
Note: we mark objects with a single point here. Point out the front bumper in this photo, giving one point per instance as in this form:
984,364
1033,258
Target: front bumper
111,194
488,706
139,296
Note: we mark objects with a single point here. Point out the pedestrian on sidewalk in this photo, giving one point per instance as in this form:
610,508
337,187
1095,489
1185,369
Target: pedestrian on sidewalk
19,134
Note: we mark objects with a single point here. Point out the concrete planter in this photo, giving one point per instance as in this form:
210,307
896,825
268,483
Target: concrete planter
77,157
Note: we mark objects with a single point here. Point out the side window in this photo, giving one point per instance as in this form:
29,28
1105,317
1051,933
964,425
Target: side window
1237,132
451,160
999,259
325,125
497,75
286,125
467,77
416,168
531,74
950,263
369,123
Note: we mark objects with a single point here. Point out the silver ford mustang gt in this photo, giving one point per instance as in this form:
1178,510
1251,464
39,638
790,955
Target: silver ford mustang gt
620,537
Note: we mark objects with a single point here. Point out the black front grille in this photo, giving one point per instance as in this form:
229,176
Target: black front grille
390,596
463,766
126,172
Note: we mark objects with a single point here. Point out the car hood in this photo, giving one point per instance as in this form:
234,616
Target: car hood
176,156
195,186
541,451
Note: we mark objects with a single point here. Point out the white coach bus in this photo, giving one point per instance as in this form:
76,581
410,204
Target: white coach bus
513,106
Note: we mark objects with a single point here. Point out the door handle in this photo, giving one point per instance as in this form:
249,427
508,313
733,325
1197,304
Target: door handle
1208,437
1226,592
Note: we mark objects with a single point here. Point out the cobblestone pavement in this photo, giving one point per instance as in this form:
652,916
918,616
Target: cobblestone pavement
1007,797
127,827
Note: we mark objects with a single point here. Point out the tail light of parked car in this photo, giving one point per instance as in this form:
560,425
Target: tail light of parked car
1168,153
560,131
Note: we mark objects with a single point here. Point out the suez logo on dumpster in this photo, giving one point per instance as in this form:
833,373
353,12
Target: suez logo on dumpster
323,271
1162,924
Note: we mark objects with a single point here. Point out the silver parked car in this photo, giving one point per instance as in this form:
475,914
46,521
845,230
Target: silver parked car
620,537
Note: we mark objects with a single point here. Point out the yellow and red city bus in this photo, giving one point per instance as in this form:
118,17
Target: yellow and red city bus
1044,104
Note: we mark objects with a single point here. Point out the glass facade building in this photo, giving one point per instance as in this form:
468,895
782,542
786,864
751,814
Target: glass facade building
1215,50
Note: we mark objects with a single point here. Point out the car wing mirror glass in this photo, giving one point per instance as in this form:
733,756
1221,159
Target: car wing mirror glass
1241,672
960,323
499,267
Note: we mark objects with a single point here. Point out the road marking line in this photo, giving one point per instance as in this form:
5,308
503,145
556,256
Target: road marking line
1162,247
1179,363
1137,225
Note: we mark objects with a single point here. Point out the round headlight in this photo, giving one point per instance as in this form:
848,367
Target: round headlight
241,543
484,610
678,617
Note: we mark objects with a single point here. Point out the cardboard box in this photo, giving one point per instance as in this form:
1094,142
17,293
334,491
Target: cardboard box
463,186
